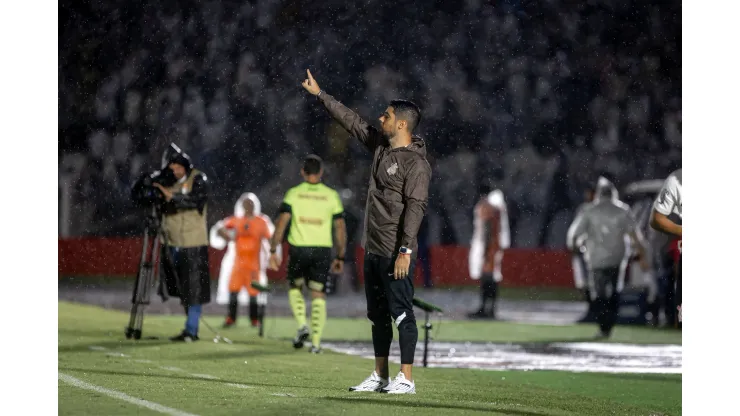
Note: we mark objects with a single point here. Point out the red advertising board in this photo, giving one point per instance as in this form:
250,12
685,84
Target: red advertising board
449,264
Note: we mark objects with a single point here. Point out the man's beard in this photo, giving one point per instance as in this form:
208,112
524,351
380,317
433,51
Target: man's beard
388,136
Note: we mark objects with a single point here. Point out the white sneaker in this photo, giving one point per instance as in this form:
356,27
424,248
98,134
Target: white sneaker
372,383
400,385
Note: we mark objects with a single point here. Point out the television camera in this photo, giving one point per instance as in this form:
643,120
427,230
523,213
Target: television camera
154,253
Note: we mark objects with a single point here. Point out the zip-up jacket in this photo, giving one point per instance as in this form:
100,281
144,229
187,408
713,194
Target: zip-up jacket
399,184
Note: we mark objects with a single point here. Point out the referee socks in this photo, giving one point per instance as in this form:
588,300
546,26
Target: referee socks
298,306
318,319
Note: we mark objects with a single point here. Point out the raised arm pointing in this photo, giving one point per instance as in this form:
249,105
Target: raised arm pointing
348,119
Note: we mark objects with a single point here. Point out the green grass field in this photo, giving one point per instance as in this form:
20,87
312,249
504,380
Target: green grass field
266,376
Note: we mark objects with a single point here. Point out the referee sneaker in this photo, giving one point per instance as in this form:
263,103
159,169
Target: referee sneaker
312,209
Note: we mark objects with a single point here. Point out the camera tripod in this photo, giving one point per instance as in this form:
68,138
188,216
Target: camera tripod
148,274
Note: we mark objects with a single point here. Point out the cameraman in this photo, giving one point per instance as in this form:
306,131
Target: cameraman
186,235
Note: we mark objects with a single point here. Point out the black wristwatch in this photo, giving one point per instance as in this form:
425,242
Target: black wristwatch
339,258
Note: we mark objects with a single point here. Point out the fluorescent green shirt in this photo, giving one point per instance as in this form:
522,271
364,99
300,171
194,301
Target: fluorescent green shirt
313,208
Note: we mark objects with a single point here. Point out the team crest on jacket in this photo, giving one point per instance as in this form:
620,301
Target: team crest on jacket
393,169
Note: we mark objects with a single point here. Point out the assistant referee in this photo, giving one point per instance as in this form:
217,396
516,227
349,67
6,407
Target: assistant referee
311,209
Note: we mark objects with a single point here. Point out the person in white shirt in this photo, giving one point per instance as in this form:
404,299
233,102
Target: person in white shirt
666,217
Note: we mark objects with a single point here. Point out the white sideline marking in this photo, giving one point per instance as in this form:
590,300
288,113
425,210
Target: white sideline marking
283,394
175,369
206,376
122,396
240,386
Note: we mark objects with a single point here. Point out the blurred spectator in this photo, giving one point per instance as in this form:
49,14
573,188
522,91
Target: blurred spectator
549,92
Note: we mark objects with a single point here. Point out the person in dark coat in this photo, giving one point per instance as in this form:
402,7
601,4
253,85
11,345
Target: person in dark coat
186,272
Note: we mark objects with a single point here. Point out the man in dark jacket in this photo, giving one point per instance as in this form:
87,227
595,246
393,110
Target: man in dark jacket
396,202
186,233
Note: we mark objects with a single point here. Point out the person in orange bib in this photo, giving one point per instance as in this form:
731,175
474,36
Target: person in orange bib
248,232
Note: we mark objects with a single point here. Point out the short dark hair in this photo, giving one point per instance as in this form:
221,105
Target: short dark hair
406,110
312,165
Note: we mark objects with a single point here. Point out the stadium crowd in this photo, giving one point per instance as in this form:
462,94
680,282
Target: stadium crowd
535,98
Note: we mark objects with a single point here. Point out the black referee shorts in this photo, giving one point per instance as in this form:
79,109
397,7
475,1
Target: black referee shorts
309,266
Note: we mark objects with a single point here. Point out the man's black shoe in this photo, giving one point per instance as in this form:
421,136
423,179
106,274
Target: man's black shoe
184,337
481,314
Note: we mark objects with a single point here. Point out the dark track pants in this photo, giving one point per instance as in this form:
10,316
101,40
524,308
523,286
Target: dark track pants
606,305
678,282
390,301
678,286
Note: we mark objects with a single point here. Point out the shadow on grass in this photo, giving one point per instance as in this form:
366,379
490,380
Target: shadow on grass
428,405
114,345
421,340
148,334
525,344
185,377
562,341
659,378
93,333
228,355
146,342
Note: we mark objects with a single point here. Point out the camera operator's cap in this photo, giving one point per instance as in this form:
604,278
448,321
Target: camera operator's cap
174,154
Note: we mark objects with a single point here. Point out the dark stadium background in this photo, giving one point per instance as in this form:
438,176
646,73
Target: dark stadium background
536,98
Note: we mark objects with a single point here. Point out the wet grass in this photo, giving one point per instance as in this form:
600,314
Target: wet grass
275,379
